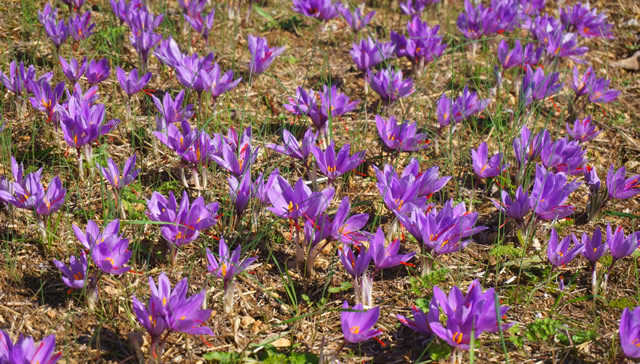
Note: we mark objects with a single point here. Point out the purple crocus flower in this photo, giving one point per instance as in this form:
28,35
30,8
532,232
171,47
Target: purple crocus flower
319,9
25,350
620,245
46,99
171,109
516,208
112,173
238,162
58,32
17,78
240,192
74,5
528,147
561,44
75,274
389,85
630,332
564,156
593,248
305,104
370,53
53,199
220,84
227,265
583,130
467,315
470,21
98,71
131,84
581,83
179,141
600,93
423,44
516,57
399,193
538,86
112,254
386,257
550,191
80,26
483,165
333,103
619,187
465,106
262,187
420,322
168,53
296,202
355,266
411,7
143,37
294,148
404,137
357,324
354,19
171,309
83,123
261,54
334,166
347,229
558,251
72,69
194,11
92,234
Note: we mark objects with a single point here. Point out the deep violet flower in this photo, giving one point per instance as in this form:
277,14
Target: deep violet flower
131,84
538,86
587,22
80,26
75,274
227,264
583,130
98,71
261,54
355,19
404,137
420,322
72,69
296,202
335,165
240,191
422,46
319,9
389,85
370,53
112,173
630,332
516,57
347,229
171,109
484,166
516,208
558,250
293,148
619,187
549,193
386,256
24,350
357,324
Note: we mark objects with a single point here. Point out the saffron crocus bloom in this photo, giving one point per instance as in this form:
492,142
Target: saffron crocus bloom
143,37
227,265
98,71
171,309
516,57
168,53
334,166
319,9
75,274
399,193
465,106
562,44
305,104
333,103
355,19
538,86
599,91
80,26
262,187
549,193
179,141
294,148
619,187
82,123
630,332
389,85
58,32
528,147
404,137
370,53
261,54
239,162
423,44
113,176
346,229
72,69
356,266
111,254
593,248
220,84
194,12
587,22
92,234
420,322
46,99
298,201
131,84
53,199
558,251
620,245
483,165
171,109
564,156
357,324
581,83
386,256
583,130
470,314
516,208
26,351
17,78
240,192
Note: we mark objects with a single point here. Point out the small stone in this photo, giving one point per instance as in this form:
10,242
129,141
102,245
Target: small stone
282,342
246,321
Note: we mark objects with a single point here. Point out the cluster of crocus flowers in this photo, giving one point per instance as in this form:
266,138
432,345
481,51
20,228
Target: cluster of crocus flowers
402,137
369,53
594,88
119,180
618,187
143,37
462,108
196,16
227,265
318,9
24,350
57,31
28,192
538,86
80,26
423,45
261,54
171,309
517,57
182,222
587,22
477,21
109,252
